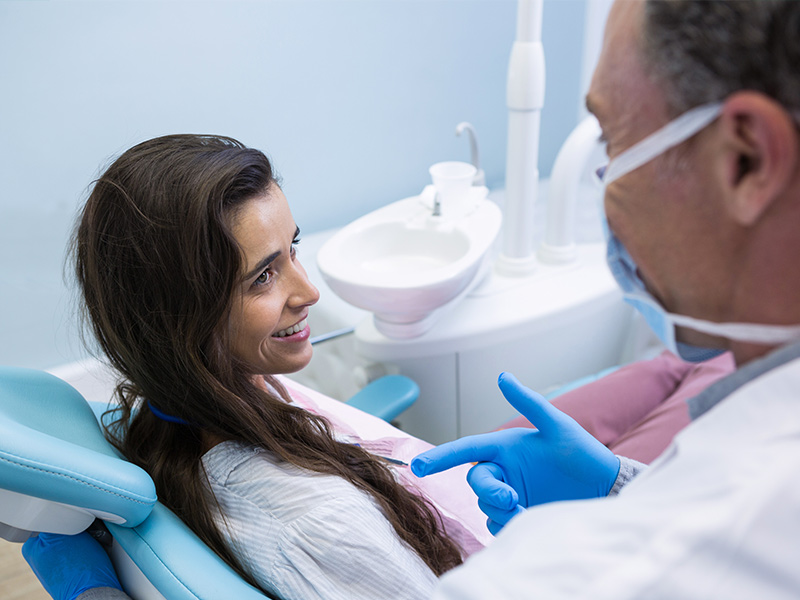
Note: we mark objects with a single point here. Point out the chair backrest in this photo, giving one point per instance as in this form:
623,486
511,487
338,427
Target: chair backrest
58,473
163,558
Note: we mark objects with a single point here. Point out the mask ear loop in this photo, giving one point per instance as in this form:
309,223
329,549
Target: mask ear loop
658,142
742,332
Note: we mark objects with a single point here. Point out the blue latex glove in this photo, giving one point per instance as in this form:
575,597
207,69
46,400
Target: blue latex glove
519,468
68,565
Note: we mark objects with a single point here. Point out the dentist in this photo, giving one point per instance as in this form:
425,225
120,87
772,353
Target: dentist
699,103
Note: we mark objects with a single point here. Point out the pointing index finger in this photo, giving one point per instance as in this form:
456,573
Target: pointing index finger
473,448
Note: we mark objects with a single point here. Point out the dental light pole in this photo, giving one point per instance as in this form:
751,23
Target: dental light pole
525,99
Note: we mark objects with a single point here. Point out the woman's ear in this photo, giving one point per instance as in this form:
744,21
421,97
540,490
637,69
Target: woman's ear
760,153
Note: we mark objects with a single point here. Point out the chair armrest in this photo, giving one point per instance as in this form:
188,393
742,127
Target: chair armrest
386,397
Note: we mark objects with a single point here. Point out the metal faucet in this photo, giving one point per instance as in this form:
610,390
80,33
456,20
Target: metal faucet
480,178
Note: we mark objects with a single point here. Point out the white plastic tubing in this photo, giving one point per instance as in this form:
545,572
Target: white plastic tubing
565,180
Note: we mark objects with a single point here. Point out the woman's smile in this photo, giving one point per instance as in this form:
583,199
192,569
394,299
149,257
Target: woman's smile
298,332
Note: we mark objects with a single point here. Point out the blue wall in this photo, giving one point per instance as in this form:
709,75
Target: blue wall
352,99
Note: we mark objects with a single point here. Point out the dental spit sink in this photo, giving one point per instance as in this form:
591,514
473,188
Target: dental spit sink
404,264
399,253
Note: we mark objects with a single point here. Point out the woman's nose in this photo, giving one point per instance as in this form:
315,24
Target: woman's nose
304,292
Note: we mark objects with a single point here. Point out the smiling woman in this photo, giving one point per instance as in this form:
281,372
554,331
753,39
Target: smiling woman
185,255
269,318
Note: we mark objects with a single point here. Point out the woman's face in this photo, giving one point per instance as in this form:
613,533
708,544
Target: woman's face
268,325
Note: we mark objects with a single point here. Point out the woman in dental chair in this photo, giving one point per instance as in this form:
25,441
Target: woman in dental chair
185,256
635,411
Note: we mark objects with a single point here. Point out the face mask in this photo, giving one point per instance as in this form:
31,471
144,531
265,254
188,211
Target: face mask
624,269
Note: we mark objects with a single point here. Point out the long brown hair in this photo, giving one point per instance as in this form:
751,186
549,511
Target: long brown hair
157,264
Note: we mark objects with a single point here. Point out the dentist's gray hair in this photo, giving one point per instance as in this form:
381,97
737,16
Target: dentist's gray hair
701,51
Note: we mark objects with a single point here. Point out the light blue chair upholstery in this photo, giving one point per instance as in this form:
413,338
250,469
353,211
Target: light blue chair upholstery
568,387
163,558
52,449
57,473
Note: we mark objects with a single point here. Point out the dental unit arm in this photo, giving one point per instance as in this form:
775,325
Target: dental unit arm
525,99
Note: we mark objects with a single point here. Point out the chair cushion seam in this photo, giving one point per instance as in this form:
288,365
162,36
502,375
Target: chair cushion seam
84,482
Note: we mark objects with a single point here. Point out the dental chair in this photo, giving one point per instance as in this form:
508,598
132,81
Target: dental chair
58,474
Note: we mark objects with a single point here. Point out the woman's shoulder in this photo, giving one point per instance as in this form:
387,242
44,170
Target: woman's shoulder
225,458
243,474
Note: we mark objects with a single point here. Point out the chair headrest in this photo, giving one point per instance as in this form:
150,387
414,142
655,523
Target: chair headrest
51,447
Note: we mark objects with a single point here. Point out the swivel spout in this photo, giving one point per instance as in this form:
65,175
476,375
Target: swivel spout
480,177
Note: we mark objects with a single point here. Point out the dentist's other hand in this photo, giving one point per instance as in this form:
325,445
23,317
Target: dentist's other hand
68,565
519,468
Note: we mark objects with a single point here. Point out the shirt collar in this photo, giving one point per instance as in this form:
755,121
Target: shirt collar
717,392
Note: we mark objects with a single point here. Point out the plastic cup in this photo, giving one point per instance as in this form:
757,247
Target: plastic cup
452,180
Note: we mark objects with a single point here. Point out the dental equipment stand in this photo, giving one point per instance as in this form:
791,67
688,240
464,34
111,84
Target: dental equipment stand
550,319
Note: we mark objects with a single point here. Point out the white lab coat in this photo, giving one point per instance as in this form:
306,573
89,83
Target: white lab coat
716,516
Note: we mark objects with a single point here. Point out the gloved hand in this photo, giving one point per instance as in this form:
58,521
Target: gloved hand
68,565
519,468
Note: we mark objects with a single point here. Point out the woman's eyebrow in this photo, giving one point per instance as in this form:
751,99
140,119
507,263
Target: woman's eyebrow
262,265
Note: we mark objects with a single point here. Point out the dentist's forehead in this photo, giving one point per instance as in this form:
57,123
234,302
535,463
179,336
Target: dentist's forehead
623,96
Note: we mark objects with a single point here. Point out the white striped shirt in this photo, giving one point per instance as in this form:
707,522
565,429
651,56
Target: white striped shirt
307,535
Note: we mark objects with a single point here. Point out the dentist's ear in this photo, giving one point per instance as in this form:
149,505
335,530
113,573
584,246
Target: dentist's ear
761,153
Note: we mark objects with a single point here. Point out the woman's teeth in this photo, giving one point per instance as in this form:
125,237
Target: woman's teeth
292,330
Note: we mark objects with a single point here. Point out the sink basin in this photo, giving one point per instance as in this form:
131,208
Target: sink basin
398,252
403,264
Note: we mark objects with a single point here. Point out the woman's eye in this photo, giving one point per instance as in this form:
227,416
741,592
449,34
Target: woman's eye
264,278
293,251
